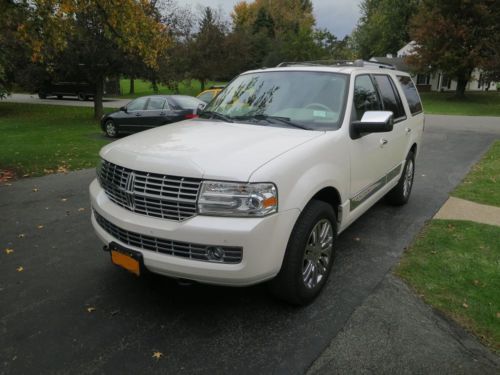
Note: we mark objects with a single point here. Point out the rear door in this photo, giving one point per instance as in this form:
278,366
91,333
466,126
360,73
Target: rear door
397,140
156,112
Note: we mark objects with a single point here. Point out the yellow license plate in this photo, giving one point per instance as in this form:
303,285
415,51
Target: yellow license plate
126,261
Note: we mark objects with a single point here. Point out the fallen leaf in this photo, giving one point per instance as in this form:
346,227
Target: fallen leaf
115,312
465,306
34,189
9,251
357,239
498,315
40,226
21,235
90,309
64,199
20,269
476,282
81,209
157,355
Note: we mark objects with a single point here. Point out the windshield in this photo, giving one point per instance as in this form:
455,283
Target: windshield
310,100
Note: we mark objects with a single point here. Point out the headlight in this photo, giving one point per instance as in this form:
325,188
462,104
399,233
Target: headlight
237,199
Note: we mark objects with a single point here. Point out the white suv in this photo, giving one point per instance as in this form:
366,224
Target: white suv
258,188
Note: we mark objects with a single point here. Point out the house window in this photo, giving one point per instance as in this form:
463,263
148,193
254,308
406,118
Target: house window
446,82
423,79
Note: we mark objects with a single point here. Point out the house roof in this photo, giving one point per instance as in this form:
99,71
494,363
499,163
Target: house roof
398,62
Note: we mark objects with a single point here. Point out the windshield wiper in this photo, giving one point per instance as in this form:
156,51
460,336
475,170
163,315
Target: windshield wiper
217,115
274,119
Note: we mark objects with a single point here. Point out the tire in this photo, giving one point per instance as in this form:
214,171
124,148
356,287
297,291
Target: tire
111,129
81,97
300,280
400,194
59,96
42,95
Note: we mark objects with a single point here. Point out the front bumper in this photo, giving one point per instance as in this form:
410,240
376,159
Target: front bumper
264,241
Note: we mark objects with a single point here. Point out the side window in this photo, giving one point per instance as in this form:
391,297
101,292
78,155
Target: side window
390,96
155,104
206,97
411,94
365,97
137,104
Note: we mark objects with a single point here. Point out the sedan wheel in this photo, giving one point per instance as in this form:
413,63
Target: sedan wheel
110,129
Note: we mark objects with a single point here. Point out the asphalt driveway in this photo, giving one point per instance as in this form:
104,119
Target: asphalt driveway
70,311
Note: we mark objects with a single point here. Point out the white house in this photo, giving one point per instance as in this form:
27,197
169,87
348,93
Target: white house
437,81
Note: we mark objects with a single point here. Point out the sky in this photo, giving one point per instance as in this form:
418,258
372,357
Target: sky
338,16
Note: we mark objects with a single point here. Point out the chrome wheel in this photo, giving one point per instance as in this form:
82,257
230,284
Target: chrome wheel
408,178
110,129
317,254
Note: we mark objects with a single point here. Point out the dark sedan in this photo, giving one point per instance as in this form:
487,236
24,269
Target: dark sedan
149,111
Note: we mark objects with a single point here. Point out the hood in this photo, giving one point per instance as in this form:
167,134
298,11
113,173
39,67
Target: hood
205,149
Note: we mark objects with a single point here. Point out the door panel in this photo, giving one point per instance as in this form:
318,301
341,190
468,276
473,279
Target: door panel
155,112
132,120
368,154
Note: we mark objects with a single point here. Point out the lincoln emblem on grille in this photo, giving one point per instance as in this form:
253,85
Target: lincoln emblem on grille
129,190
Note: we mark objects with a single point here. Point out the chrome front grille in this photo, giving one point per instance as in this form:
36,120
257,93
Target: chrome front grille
231,255
151,194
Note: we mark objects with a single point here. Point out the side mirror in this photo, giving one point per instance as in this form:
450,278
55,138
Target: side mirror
373,122
123,109
200,108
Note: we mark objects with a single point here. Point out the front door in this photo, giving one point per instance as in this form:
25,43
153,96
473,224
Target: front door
132,120
368,153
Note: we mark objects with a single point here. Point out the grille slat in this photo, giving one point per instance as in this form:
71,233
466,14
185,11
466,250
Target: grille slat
232,255
151,194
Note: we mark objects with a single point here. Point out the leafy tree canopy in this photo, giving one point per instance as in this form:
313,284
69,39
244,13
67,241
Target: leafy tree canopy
456,36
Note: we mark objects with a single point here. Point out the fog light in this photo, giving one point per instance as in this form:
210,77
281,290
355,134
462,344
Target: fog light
215,253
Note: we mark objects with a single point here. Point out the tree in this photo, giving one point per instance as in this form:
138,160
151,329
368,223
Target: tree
13,53
207,54
456,37
92,36
383,26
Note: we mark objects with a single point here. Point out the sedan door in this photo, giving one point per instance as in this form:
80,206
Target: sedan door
156,112
132,119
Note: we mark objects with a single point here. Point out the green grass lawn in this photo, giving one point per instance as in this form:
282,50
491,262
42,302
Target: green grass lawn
474,104
41,139
482,185
188,87
455,267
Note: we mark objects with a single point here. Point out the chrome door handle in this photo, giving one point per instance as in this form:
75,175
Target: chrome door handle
408,130
383,142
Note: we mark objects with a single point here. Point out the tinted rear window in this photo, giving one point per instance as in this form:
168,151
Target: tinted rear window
411,94
390,98
187,102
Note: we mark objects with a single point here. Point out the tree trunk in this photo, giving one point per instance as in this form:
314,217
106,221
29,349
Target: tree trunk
202,85
98,110
155,86
461,85
132,86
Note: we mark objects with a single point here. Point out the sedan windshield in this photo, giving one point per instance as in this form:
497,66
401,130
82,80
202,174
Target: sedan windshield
301,99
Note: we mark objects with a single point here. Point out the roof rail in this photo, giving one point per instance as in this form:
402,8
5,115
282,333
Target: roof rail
351,63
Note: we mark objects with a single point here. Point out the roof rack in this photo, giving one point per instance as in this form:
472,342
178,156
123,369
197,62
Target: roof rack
350,63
